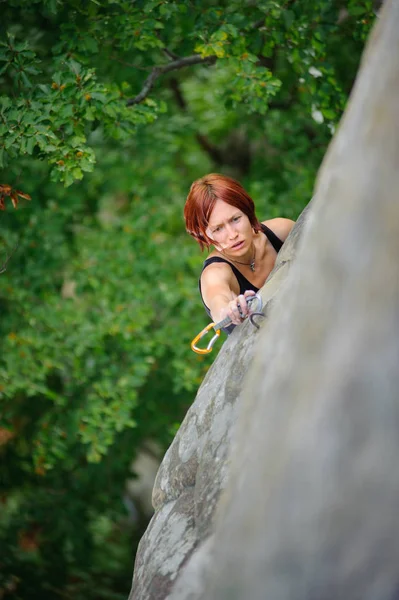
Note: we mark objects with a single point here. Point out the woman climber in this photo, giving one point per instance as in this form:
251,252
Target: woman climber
219,213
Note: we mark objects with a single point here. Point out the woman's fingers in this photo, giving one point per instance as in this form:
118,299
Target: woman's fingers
233,313
242,305
237,310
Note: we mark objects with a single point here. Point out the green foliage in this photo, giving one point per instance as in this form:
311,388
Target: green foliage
100,301
52,120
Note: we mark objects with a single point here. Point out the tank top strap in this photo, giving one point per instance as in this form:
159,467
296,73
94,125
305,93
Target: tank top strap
219,259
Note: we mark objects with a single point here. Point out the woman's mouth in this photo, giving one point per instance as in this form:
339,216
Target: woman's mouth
237,246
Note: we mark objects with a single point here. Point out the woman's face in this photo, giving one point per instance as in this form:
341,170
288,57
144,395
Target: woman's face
229,229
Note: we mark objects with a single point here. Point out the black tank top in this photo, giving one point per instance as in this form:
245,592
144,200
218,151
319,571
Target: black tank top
243,282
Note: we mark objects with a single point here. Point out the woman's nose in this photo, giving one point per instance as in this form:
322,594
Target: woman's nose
231,232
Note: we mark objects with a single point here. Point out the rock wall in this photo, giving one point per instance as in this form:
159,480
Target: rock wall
309,507
317,516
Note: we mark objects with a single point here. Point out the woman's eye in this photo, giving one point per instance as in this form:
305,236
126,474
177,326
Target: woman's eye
236,219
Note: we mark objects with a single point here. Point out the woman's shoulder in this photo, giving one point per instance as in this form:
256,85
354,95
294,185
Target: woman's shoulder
214,266
280,226
216,279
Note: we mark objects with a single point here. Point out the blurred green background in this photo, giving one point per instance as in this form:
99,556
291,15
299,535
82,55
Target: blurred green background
99,300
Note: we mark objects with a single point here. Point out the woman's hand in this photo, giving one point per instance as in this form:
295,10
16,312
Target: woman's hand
237,309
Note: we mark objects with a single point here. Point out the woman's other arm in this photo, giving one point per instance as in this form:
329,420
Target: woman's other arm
280,226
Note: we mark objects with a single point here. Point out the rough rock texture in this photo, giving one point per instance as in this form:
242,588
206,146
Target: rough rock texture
194,469
309,509
317,517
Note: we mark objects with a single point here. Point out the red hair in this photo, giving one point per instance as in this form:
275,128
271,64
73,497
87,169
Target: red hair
202,197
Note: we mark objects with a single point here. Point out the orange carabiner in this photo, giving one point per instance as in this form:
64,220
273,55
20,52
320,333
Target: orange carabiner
254,302
201,334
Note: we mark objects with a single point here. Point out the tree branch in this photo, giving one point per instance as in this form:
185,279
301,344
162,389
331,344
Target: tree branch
234,153
156,72
166,50
171,54
258,23
213,151
180,99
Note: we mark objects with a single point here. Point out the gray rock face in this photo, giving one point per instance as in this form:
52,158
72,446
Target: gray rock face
282,482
